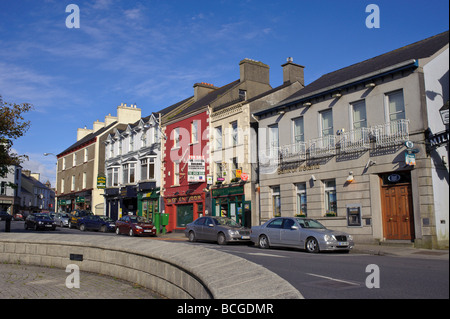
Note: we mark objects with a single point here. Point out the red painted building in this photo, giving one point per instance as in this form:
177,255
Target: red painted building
186,158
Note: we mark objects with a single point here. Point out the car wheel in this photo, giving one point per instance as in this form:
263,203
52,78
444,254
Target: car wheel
131,232
221,239
263,242
25,226
82,227
117,231
70,225
192,236
312,246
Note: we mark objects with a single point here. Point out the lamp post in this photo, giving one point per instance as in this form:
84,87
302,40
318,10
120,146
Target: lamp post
56,179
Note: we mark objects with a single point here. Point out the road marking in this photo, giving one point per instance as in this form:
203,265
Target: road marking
266,255
334,279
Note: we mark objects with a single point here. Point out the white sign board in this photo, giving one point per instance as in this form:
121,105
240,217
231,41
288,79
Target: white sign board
196,169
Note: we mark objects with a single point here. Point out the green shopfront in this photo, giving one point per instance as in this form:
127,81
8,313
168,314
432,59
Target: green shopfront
230,202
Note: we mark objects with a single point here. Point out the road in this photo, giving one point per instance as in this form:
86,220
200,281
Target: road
336,275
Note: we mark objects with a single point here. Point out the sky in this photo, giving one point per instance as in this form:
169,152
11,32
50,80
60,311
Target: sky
151,53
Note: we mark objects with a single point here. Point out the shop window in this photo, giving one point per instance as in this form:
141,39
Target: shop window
330,198
301,199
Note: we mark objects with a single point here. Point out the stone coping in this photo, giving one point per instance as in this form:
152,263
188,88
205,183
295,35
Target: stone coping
174,270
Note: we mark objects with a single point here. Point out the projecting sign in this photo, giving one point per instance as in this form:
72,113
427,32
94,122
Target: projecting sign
196,169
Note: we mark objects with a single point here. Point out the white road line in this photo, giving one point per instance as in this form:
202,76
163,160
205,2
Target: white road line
334,279
266,255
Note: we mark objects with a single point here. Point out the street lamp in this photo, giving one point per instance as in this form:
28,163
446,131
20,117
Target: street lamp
444,113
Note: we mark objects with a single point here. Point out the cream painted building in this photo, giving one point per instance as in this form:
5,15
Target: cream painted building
80,178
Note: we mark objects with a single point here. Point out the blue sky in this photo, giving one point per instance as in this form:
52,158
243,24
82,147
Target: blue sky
150,53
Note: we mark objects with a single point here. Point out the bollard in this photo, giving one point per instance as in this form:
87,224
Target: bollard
8,224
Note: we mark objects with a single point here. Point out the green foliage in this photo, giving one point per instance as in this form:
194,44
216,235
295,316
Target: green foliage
12,126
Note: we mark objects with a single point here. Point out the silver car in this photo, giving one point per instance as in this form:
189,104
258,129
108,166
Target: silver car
61,219
220,229
303,233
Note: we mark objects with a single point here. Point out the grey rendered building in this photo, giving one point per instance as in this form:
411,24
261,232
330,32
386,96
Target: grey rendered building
351,149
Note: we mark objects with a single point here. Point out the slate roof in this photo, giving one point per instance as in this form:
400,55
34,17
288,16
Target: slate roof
87,138
418,50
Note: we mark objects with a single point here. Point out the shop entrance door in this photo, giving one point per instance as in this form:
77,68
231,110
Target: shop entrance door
396,202
185,215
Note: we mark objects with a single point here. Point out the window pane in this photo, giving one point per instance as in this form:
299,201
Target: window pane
327,123
396,106
298,130
359,115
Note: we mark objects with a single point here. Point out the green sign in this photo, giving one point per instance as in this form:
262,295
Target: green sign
101,181
239,190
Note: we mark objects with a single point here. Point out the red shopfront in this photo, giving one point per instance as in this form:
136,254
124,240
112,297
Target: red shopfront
183,210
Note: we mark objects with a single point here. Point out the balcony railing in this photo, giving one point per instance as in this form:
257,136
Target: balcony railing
355,140
295,151
391,134
322,146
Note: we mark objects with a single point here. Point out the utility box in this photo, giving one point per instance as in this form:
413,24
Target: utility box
164,219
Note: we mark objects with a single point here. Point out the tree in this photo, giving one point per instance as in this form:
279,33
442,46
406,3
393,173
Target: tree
12,126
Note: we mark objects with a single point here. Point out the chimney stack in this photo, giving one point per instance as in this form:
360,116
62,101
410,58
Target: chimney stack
251,70
293,72
202,89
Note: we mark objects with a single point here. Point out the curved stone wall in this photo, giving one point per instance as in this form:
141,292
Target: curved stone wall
174,270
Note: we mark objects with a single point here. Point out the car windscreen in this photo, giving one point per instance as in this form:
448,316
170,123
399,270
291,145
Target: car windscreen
310,223
224,221
42,216
106,218
138,219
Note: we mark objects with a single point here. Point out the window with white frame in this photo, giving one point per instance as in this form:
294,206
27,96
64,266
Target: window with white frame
273,137
218,138
176,173
144,139
219,172
359,119
86,154
234,167
234,133
276,201
73,183
74,159
147,168
194,131
64,163
84,180
326,123
330,197
396,105
297,130
176,137
132,136
129,173
125,174
301,199
62,186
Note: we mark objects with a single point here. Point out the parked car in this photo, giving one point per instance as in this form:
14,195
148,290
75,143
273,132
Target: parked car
39,221
76,215
303,233
4,215
18,216
134,226
96,222
62,219
220,229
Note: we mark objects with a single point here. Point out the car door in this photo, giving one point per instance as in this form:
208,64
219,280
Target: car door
273,231
210,232
290,236
197,227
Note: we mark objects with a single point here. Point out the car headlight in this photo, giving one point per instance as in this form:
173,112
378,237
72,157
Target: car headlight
329,238
350,237
234,232
40,223
138,227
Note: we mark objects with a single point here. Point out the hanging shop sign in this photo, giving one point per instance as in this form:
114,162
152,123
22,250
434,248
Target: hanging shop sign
244,177
101,182
196,169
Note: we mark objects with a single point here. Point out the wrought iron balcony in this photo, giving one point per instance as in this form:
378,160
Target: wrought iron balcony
291,152
355,140
390,134
322,146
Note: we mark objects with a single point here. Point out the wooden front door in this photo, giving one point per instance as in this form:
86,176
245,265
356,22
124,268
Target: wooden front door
398,218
